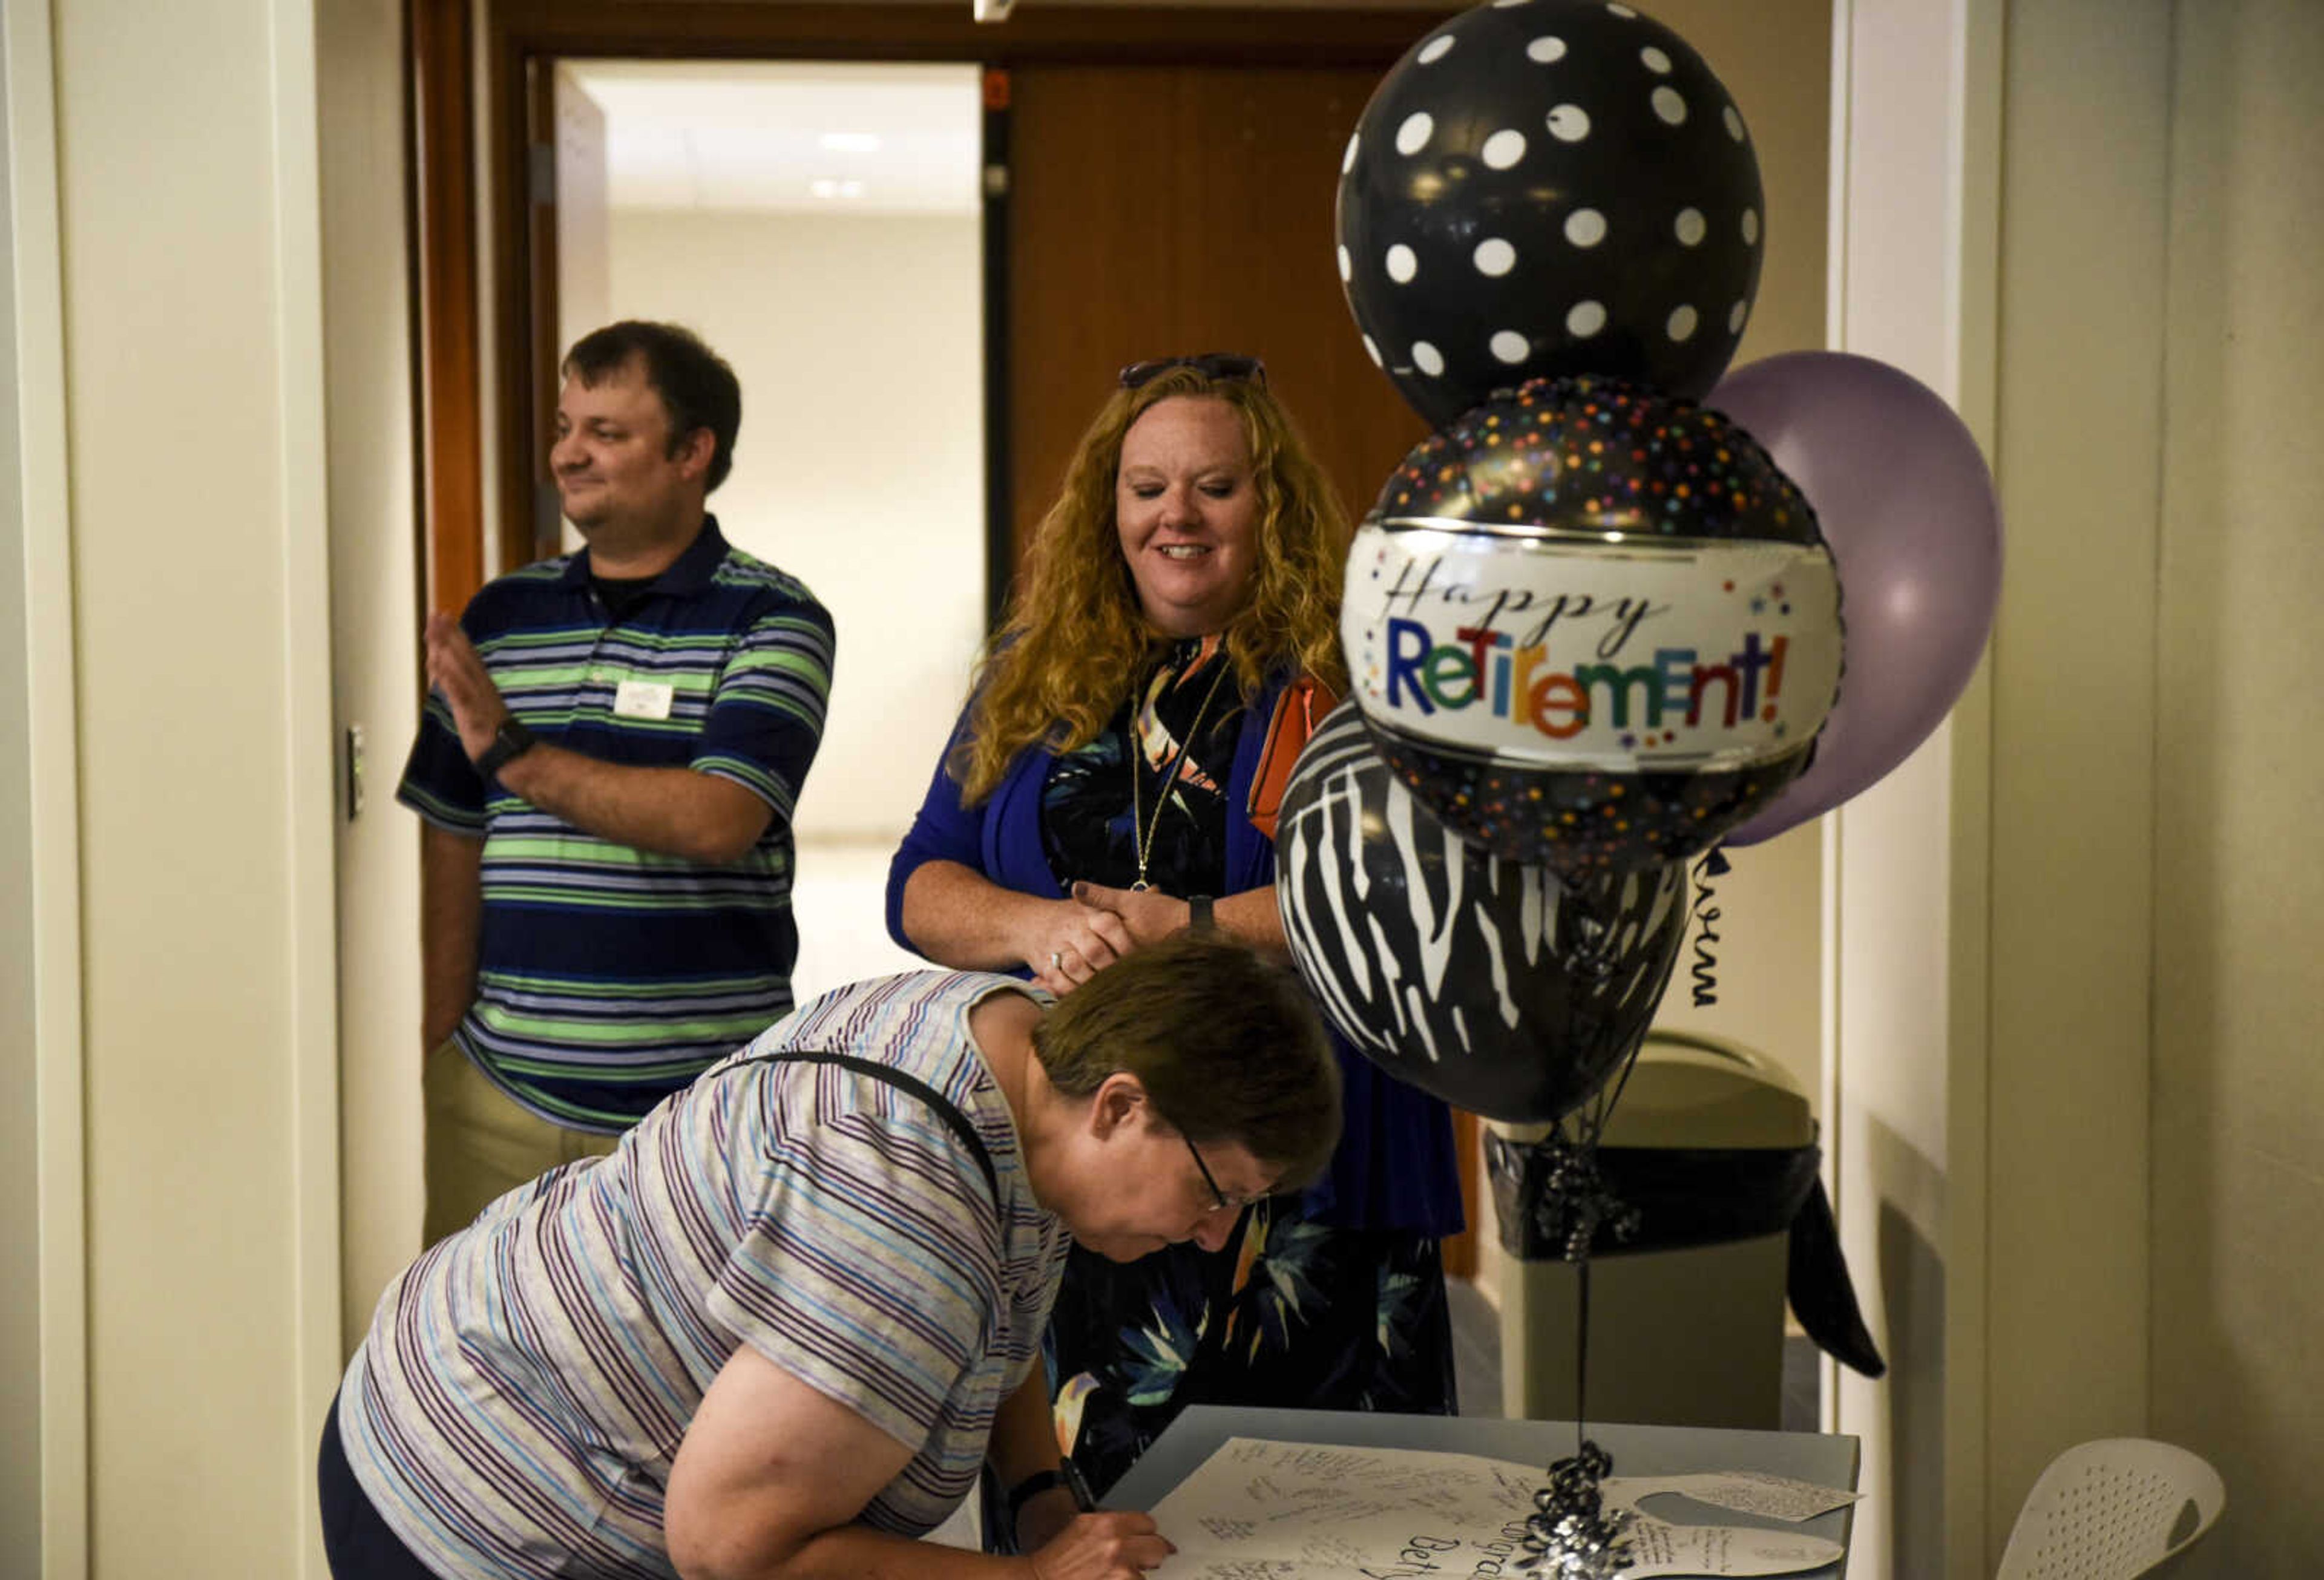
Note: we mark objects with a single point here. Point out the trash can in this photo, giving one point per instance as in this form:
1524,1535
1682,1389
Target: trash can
1686,1328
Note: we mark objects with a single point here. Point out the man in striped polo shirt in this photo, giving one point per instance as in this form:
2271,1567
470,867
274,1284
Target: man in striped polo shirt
607,766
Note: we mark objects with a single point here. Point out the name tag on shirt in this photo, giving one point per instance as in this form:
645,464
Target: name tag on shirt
642,699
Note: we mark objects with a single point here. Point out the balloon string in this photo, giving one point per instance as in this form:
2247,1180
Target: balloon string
1580,1351
1594,1126
1705,969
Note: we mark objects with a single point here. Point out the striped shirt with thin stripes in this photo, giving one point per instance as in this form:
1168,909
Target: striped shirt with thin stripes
515,1409
608,976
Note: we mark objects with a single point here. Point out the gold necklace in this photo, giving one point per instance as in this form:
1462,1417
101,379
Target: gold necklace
1140,828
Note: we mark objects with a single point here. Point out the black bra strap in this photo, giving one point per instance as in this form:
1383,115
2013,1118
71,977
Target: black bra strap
935,1100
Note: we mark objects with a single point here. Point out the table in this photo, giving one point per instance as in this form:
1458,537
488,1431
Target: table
1830,1461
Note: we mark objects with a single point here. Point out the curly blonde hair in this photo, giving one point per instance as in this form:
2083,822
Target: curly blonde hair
1077,637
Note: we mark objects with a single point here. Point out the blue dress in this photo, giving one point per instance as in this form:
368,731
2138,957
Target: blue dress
1334,1299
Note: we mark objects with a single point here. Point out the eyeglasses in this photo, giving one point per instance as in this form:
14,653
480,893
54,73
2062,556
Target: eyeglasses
1211,364
1220,1200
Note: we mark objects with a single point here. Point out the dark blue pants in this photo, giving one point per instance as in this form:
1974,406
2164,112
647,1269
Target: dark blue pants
355,1539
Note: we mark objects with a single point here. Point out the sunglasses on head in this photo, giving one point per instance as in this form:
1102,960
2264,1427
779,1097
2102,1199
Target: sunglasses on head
1211,364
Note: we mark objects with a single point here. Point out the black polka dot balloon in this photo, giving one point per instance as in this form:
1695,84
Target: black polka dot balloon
1591,626
1544,188
1501,988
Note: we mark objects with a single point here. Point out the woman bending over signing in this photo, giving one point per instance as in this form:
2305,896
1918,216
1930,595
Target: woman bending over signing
778,1331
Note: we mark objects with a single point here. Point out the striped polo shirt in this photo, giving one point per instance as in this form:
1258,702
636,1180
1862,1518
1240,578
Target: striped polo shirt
516,1407
608,976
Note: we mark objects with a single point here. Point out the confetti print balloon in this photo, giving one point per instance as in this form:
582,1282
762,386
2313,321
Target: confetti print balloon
1499,988
1591,627
1544,188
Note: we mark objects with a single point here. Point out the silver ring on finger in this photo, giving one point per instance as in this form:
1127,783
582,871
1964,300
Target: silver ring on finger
1056,961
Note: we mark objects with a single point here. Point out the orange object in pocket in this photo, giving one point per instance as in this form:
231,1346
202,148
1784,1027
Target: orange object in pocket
1302,702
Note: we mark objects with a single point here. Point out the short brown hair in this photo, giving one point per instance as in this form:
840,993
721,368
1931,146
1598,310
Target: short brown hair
698,389
1227,1045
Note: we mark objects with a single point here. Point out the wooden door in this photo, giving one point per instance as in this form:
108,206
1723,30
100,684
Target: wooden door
1162,210
1158,209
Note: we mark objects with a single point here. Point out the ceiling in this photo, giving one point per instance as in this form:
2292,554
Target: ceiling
766,137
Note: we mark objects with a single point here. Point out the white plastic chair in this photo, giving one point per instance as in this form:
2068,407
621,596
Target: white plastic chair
2110,1508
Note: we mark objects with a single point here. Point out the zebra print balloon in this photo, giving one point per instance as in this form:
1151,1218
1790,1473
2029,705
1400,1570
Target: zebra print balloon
1501,988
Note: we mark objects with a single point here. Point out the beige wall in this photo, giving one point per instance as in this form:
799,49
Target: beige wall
1763,948
20,1246
861,465
1775,59
2082,401
2079,1147
2238,1089
2148,1181
43,1292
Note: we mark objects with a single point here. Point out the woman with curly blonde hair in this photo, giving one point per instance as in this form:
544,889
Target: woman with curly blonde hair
1066,657
1109,785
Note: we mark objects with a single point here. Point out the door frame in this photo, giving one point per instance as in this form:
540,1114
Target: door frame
519,39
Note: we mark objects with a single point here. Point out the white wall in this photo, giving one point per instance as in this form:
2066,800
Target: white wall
375,637
861,465
2238,1089
1904,939
193,401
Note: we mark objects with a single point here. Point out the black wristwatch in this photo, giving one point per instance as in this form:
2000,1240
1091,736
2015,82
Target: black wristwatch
1026,1491
510,741
1198,914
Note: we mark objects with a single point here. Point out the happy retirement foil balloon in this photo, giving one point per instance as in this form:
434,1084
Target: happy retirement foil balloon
1544,188
1591,626
1499,988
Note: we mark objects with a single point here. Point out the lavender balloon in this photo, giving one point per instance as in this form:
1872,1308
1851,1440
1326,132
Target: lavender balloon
1907,509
